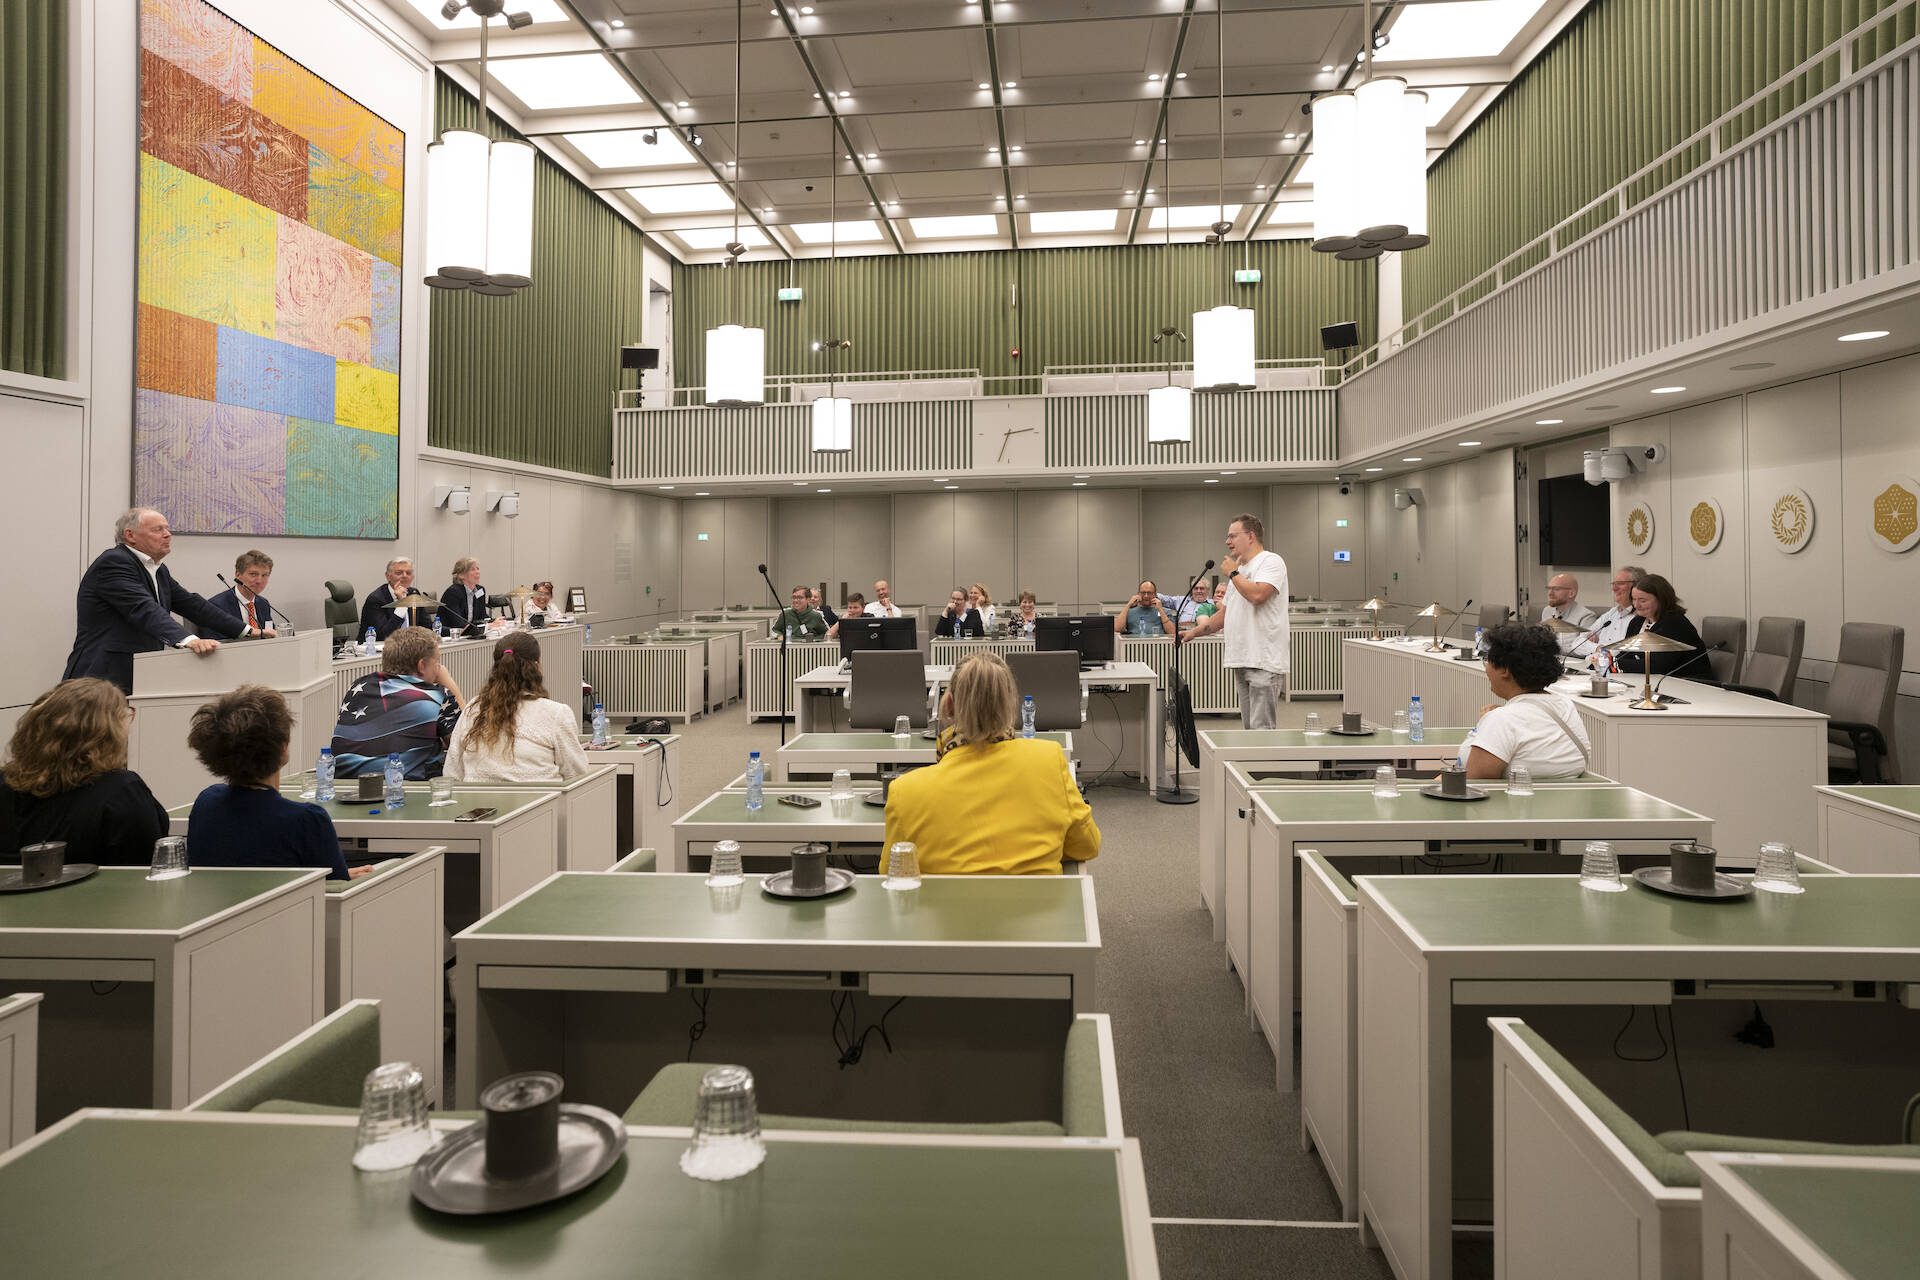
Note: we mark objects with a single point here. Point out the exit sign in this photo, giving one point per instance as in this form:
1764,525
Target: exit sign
1247,275
1339,524
790,294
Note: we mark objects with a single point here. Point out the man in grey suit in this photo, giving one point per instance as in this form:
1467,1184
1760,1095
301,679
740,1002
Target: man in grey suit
127,600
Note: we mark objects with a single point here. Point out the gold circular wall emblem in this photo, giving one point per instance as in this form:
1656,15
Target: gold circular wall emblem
1705,524
1792,520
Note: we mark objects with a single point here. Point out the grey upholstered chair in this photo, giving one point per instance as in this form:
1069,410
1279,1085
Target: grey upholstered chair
1492,615
1726,645
341,613
1860,703
1774,664
1053,679
886,684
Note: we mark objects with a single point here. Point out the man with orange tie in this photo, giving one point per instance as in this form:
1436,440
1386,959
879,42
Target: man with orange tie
243,601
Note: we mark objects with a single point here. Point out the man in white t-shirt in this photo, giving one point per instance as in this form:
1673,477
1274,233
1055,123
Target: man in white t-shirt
883,605
1254,620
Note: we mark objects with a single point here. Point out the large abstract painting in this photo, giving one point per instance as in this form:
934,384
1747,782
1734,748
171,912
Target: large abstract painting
267,393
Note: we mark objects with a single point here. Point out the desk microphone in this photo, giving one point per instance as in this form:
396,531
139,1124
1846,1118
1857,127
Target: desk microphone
1676,670
270,609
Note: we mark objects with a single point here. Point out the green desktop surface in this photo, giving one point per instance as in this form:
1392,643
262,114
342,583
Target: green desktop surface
1563,804
123,899
1866,1220
944,909
1843,912
416,809
129,1196
1331,743
730,807
854,742
1905,799
622,742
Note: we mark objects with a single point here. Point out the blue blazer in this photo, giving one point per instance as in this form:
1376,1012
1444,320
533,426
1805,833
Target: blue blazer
457,612
117,614
378,613
228,602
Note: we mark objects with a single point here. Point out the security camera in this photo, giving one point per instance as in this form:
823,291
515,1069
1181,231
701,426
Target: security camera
1345,488
809,186
1651,454
651,137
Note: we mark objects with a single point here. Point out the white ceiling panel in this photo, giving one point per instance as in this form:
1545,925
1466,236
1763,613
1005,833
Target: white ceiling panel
910,58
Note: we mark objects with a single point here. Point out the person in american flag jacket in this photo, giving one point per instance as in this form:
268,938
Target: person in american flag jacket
409,706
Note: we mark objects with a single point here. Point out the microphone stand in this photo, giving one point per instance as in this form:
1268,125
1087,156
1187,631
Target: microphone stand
786,690
1170,697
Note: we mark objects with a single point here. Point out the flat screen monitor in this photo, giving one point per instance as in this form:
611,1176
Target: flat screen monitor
1090,635
876,633
1573,522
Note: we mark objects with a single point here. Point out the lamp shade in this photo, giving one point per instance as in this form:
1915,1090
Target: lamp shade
509,217
1590,466
1223,349
1336,147
457,206
832,425
1169,415
736,366
1614,464
1370,170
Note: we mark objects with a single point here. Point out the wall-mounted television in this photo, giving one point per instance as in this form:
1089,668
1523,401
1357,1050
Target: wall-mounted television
1572,522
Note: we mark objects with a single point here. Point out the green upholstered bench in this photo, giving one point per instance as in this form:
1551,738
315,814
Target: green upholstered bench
323,1067
1571,1164
1090,1099
638,860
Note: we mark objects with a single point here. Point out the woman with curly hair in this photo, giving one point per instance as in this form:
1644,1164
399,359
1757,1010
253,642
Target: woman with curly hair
1534,727
66,778
513,732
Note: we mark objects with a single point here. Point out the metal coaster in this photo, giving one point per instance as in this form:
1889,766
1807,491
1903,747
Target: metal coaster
69,874
875,798
780,884
1473,793
1660,880
452,1177
1353,733
1588,693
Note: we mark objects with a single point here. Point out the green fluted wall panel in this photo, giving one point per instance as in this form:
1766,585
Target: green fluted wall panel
531,378
33,187
1626,81
959,310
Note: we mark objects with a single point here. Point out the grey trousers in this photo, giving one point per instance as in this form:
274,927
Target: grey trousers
1259,691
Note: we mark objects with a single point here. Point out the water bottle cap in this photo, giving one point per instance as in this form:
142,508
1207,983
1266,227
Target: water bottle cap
597,706
753,755
393,756
326,751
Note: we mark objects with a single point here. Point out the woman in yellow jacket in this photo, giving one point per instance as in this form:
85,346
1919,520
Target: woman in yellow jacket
993,804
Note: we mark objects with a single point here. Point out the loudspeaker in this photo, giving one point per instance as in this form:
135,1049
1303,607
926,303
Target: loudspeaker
1335,336
639,357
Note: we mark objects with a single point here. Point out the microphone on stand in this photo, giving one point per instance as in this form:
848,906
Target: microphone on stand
786,690
1170,697
1677,669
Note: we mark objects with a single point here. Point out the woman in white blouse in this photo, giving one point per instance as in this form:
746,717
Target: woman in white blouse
1534,727
513,732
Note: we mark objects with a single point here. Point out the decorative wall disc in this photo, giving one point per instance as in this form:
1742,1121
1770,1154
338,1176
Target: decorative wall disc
1896,514
1792,521
1640,527
1705,525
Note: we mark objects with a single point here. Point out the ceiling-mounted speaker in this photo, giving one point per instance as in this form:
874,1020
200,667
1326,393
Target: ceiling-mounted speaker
639,357
1334,337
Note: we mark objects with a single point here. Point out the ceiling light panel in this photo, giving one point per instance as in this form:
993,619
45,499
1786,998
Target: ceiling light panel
629,149
1463,29
563,82
538,10
1070,221
700,197
1440,101
1193,215
1291,213
717,237
970,224
825,232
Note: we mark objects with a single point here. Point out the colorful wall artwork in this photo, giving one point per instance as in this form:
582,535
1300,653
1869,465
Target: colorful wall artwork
267,395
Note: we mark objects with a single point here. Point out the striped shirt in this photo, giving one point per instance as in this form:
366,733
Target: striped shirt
386,713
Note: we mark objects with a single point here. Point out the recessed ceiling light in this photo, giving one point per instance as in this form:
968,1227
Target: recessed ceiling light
1079,484
1181,76
1409,459
1127,192
1083,477
873,155
941,480
617,23
1665,391
1376,468
1008,85
823,491
816,95
1139,142
1753,364
1229,473
953,486
807,9
1468,444
1865,335
985,85
1013,148
1209,482
1548,422
666,486
1154,76
846,93
1286,137
1259,186
561,81
1326,70
993,151
701,493
799,484
1149,190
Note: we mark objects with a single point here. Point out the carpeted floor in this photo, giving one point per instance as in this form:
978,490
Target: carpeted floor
1222,1148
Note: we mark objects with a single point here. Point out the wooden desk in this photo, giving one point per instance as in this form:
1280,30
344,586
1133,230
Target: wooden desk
386,941
1808,1217
1869,829
280,1194
158,990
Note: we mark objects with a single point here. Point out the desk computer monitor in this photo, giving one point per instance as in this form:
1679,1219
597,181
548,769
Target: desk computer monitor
876,633
1091,636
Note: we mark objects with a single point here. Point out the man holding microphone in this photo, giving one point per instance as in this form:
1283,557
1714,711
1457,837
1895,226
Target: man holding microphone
1254,620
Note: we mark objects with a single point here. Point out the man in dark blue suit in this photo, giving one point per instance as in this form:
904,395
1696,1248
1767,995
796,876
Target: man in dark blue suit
243,601
126,602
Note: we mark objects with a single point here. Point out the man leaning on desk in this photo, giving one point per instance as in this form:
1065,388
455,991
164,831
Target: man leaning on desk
378,612
127,600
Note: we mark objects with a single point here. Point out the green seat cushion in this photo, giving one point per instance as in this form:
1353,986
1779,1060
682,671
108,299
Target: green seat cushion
638,860
325,1066
1082,1102
669,1099
1668,1167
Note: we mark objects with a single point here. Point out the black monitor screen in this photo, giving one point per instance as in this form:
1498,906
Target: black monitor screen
1573,522
876,633
1091,636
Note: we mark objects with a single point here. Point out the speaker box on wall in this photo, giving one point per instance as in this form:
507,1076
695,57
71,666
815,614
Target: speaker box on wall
1335,336
639,357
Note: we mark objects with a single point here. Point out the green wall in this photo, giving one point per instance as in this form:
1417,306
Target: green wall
531,378
1626,81
33,187
959,310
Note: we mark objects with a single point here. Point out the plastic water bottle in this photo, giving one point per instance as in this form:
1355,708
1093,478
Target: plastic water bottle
589,636
599,725
439,628
323,776
1026,716
756,774
366,645
1479,641
1416,721
396,781
789,633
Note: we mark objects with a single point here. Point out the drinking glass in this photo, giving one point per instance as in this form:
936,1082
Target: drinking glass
1778,869
442,789
1519,781
169,858
1313,722
902,729
903,867
724,868
1400,721
393,1119
1600,868
726,1127
842,785
1385,784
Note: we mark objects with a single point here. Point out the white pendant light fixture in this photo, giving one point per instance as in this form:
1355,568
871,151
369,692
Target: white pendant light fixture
1370,166
1169,408
480,193
736,353
832,415
1222,336
832,424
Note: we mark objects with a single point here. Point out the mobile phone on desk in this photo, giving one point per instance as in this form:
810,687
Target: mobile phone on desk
801,802
476,815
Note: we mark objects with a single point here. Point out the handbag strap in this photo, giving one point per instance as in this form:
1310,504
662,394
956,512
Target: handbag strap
1586,753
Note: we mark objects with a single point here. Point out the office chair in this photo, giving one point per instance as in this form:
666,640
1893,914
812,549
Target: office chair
1860,703
885,684
1053,681
342,615
1726,644
1492,615
1774,663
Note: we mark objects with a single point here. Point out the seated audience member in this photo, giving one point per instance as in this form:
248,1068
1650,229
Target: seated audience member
856,608
1214,603
1612,625
1534,727
1029,610
464,603
410,705
540,604
994,803
883,605
821,607
958,620
800,617
378,611
66,778
1657,609
515,732
244,601
981,602
1563,602
1189,608
1146,614
243,737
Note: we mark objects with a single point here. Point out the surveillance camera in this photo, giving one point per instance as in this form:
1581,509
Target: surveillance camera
515,21
809,186
1653,453
1345,488
651,137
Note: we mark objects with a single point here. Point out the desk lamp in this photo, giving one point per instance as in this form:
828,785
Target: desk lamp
1644,643
1374,605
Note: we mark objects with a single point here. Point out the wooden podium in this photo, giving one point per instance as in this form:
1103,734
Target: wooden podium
169,685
